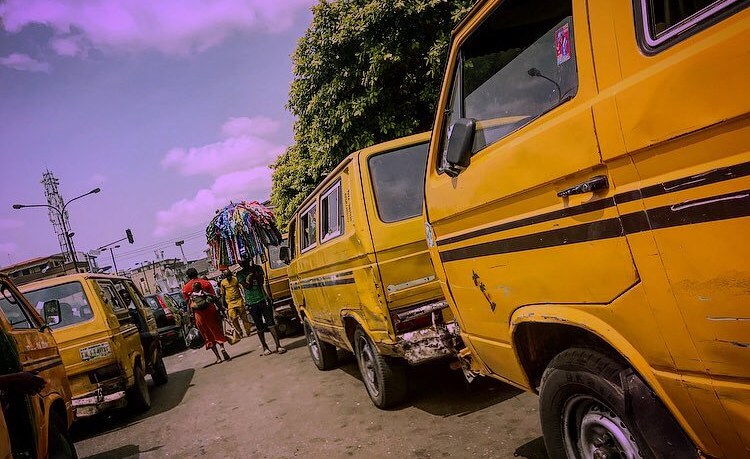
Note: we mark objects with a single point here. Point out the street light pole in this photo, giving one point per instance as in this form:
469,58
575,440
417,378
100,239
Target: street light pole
61,214
112,253
180,244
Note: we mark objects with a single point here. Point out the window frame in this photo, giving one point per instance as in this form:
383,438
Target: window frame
311,208
457,82
684,29
31,319
336,186
85,293
372,179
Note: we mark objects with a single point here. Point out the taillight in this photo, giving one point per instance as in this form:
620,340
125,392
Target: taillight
406,320
104,373
167,311
412,324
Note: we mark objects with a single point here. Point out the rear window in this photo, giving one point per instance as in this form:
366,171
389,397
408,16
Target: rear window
398,182
153,303
74,305
273,256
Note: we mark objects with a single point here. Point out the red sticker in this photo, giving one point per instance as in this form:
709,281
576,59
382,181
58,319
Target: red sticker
562,44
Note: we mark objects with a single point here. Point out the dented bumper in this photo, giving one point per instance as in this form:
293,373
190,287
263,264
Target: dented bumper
427,344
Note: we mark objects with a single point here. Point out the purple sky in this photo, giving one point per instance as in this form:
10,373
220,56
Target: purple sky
172,107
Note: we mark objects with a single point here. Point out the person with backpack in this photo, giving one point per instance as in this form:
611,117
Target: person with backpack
201,298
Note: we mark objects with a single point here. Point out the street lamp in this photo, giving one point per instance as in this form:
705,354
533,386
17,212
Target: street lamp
180,244
61,213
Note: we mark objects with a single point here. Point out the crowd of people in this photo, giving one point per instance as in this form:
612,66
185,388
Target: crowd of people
239,294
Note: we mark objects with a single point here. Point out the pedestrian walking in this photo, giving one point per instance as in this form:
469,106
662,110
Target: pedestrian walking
198,292
259,303
229,289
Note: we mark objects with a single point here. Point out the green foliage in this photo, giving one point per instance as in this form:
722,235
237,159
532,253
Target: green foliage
366,71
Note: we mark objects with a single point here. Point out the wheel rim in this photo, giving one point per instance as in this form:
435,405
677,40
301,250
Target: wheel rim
367,366
312,342
593,431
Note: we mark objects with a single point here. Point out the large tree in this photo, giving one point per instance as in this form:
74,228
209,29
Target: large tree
365,71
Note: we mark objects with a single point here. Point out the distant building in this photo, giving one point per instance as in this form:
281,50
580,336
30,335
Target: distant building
43,268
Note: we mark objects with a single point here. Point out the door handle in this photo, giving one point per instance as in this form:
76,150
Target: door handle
599,182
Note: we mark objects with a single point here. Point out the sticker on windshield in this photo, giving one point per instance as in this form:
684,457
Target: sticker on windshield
562,44
95,351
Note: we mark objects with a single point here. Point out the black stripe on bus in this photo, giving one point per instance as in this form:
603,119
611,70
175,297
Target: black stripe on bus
713,208
684,183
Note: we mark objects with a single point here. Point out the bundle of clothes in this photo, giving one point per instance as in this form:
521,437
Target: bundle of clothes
240,231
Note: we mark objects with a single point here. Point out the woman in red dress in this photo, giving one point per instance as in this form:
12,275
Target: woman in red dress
206,319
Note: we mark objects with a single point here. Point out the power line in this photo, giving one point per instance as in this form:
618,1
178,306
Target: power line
165,243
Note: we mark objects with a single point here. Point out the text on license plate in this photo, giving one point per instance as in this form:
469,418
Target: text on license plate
95,351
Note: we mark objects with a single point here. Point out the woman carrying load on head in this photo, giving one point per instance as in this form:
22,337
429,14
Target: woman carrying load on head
199,294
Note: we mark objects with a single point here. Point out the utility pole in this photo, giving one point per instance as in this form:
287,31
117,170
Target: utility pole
180,244
56,204
112,254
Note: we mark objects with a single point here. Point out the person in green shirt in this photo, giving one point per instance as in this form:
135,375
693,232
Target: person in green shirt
258,301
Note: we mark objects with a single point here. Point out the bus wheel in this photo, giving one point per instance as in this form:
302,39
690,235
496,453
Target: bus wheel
160,375
139,398
323,354
60,445
385,379
582,408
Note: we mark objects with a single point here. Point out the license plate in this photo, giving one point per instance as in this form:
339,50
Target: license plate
95,351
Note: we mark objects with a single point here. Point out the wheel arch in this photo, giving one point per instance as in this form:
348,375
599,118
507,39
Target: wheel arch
539,333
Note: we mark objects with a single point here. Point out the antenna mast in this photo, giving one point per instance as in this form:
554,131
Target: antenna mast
55,199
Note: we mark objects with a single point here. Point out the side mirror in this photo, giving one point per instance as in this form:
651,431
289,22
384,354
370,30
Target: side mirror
52,314
284,254
460,141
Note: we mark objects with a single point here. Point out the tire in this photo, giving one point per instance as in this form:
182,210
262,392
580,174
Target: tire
582,408
323,354
139,399
160,375
384,378
59,443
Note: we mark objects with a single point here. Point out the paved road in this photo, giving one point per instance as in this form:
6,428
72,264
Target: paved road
281,406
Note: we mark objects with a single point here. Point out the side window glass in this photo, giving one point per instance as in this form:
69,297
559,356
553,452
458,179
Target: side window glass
509,75
273,255
331,214
398,182
110,296
14,311
664,22
308,229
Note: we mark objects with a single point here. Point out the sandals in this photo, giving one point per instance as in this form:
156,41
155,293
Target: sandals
280,350
265,352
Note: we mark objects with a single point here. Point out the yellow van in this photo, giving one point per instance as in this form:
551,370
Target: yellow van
587,212
31,425
277,281
108,340
360,273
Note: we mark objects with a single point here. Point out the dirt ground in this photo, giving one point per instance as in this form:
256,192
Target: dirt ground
281,406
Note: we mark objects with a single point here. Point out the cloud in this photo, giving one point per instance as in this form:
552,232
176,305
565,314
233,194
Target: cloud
174,27
24,62
244,151
10,223
242,126
251,184
238,164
